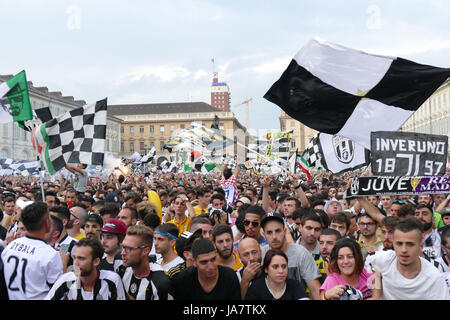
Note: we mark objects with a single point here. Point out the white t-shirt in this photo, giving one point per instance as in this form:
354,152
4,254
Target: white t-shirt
427,285
178,260
109,286
31,266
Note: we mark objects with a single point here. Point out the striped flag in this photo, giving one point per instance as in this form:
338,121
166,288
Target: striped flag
350,93
77,136
298,162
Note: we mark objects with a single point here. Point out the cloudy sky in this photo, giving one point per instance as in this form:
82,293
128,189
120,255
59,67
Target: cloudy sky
160,51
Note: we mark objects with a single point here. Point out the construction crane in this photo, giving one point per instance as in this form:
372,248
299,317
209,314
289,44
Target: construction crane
247,111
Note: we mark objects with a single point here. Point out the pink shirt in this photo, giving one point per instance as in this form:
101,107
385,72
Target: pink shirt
334,279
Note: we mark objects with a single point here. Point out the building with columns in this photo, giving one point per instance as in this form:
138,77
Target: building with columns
433,116
153,124
15,143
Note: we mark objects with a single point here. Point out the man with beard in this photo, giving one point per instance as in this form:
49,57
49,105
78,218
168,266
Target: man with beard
327,240
310,230
290,204
112,235
301,265
252,225
432,246
142,280
78,216
86,282
250,254
93,226
388,225
369,240
222,236
427,200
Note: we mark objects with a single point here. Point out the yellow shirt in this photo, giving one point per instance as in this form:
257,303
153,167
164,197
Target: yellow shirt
80,236
198,210
182,226
237,262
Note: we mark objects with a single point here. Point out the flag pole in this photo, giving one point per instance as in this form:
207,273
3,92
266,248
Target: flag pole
40,167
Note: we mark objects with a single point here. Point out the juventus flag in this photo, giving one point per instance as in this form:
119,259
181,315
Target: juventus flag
77,136
335,153
342,91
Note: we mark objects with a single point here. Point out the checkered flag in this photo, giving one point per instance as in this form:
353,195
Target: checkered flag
77,136
312,154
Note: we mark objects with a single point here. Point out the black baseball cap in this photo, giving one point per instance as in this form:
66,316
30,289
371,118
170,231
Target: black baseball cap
270,217
445,211
93,217
185,240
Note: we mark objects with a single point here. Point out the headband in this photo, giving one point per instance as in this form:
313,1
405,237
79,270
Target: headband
171,236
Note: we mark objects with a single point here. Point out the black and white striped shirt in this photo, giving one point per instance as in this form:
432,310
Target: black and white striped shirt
156,286
107,287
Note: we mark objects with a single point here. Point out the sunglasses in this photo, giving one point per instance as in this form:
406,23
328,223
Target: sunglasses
254,223
399,201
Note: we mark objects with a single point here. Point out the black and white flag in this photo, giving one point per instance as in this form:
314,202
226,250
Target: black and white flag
335,153
342,91
77,136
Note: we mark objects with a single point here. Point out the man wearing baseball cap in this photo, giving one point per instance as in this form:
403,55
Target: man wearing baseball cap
301,265
184,243
112,235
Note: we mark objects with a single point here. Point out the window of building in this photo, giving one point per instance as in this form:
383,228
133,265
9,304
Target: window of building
4,153
141,129
122,147
121,130
131,129
161,145
5,130
131,146
152,129
172,128
182,126
161,128
142,147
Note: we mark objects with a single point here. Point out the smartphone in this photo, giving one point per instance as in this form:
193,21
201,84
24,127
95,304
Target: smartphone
63,248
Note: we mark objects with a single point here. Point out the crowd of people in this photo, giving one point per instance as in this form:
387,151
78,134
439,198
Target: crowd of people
226,235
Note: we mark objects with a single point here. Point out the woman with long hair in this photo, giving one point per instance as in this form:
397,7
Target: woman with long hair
275,285
345,273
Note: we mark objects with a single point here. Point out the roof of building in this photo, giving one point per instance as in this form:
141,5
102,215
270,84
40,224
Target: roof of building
56,95
161,108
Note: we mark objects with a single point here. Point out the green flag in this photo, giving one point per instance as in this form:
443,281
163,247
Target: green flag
14,100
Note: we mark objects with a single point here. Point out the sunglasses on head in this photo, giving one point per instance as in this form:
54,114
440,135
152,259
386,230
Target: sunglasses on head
254,223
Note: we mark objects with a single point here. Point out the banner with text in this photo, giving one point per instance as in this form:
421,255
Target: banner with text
377,186
408,154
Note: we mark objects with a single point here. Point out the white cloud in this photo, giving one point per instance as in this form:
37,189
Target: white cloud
163,73
277,65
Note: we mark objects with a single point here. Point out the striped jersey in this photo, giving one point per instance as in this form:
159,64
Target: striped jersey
31,267
156,286
230,188
107,287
